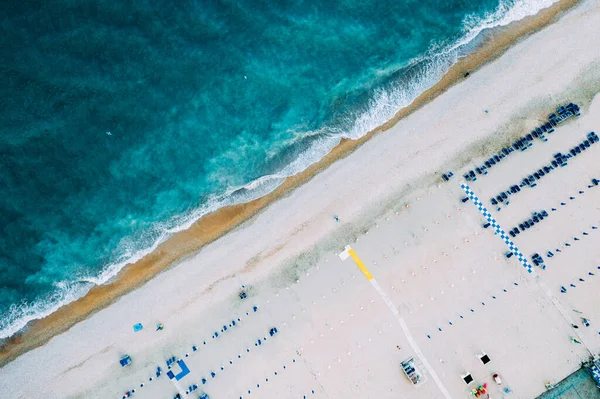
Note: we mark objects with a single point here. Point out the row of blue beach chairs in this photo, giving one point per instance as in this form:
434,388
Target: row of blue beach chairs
592,138
272,332
482,170
191,388
170,361
526,224
446,176
559,160
203,396
126,360
538,260
523,143
595,182
564,112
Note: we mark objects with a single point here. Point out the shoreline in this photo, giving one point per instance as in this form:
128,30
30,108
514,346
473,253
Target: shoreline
215,225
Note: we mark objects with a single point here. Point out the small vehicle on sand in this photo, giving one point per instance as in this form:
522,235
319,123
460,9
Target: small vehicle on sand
411,371
497,379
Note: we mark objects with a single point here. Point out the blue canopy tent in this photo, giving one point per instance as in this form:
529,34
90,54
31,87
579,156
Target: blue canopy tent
184,371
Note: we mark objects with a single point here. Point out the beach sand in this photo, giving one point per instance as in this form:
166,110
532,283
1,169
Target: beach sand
425,248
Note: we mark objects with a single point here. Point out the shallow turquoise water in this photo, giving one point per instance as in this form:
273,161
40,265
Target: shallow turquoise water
578,385
124,121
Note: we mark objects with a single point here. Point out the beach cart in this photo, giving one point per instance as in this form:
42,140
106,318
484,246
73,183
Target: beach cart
125,361
497,379
411,371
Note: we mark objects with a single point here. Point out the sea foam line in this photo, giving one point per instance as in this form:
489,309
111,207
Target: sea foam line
423,73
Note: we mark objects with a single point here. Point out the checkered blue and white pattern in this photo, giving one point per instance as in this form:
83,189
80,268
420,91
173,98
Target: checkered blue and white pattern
496,226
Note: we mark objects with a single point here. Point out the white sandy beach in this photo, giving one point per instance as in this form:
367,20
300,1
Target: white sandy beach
427,250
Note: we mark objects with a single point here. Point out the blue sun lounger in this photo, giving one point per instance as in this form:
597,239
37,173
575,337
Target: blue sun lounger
125,361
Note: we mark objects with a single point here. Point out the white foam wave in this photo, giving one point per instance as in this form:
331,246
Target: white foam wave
19,315
386,102
508,11
423,73
235,195
438,60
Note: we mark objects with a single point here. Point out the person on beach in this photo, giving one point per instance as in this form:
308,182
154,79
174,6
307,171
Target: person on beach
575,341
159,327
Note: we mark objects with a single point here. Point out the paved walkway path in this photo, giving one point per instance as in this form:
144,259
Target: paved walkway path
399,318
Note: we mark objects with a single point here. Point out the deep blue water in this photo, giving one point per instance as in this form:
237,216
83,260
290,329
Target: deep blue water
123,121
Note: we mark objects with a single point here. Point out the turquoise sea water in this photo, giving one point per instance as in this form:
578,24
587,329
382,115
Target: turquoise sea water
122,122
